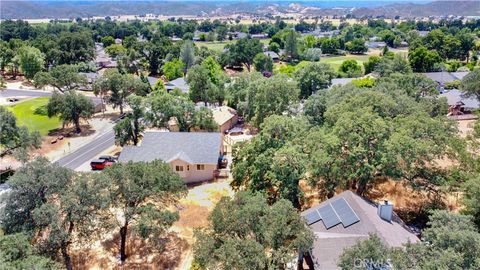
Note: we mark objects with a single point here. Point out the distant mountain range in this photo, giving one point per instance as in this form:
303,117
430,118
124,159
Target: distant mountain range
390,8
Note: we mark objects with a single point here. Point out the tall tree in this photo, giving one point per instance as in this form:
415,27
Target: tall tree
62,78
263,63
142,192
187,54
271,163
350,68
291,44
471,83
116,87
55,206
129,129
242,52
247,233
314,77
423,60
31,61
75,47
14,138
199,82
71,108
173,69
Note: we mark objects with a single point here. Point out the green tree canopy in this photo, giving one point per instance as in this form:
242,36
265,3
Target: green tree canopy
314,77
15,139
31,61
142,192
173,69
263,63
247,233
70,107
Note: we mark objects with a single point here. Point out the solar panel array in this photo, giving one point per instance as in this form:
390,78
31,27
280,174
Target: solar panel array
332,214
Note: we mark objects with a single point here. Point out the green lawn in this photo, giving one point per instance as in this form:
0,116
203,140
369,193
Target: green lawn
219,45
336,61
32,114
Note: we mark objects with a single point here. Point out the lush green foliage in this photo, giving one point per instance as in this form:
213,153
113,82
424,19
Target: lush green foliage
247,233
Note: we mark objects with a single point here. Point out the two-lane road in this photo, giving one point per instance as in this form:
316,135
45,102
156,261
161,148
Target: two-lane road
83,154
9,93
88,152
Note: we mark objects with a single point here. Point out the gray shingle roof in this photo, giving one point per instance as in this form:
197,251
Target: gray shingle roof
330,243
272,54
440,77
179,83
456,97
342,81
191,147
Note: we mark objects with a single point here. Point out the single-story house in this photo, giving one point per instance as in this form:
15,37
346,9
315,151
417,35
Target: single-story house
193,155
423,33
179,83
340,222
444,77
458,103
342,81
272,55
259,36
225,117
375,44
99,105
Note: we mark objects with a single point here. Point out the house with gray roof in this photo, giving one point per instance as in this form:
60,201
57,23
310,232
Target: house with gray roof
342,81
343,220
459,103
179,83
444,77
193,155
272,55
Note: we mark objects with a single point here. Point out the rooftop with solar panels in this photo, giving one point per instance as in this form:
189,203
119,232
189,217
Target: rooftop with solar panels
341,221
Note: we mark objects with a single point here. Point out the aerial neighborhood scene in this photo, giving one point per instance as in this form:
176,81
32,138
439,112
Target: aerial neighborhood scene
244,135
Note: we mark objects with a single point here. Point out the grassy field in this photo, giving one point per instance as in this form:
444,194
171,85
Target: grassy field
219,45
32,114
336,61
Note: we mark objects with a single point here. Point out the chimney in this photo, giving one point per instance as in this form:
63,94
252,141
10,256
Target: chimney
385,210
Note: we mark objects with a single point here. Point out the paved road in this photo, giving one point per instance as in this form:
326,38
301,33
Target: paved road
8,93
89,151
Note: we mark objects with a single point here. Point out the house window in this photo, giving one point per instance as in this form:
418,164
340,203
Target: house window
200,167
188,167
179,168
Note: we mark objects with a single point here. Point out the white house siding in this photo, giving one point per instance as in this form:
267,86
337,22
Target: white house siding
190,174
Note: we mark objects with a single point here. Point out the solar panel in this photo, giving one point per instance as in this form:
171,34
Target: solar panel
329,217
345,212
312,217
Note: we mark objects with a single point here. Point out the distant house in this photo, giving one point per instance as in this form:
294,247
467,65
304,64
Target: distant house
444,77
225,117
118,41
459,104
91,77
193,155
342,81
259,36
375,44
423,33
345,219
179,83
272,55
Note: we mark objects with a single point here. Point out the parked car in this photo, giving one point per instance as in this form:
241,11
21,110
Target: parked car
100,164
108,158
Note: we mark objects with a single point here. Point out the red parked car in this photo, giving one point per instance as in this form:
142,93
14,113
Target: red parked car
100,164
